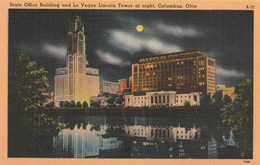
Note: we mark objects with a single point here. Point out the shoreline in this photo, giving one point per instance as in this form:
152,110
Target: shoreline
144,111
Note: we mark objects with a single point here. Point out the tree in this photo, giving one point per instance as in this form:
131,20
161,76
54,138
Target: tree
52,104
61,104
28,126
78,105
118,100
205,100
85,104
98,104
92,104
110,100
72,104
114,132
66,104
217,97
239,116
226,100
47,106
95,104
28,82
186,103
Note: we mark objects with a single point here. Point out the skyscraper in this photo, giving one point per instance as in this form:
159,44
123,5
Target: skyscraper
76,81
183,72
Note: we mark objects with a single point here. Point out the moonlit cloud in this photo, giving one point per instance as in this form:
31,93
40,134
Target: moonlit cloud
229,73
134,43
111,59
58,51
177,31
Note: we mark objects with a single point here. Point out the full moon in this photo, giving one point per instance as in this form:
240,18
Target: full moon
139,28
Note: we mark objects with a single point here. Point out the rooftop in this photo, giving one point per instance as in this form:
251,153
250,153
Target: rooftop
176,53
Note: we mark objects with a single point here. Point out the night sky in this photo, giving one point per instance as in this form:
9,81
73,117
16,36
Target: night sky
113,43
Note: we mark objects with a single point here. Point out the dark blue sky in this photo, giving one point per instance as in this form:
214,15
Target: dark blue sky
113,44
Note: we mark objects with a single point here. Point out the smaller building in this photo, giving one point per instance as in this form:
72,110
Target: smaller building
162,98
125,86
122,84
226,91
109,87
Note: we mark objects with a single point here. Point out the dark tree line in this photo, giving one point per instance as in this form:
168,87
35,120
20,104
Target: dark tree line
239,116
28,127
236,114
72,104
217,100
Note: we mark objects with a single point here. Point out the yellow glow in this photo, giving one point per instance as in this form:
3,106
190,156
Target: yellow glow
139,28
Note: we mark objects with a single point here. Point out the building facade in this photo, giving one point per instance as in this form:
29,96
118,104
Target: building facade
162,98
227,91
109,87
122,84
76,81
182,72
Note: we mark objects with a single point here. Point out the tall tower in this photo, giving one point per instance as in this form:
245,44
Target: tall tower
76,81
76,59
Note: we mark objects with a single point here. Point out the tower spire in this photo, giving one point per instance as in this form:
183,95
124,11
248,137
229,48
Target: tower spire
76,37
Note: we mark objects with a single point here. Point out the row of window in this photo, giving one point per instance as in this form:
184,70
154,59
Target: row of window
166,66
170,57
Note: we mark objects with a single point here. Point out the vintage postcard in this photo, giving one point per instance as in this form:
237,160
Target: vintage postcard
123,82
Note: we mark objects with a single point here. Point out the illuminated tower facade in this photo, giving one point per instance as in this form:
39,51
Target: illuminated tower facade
76,60
76,81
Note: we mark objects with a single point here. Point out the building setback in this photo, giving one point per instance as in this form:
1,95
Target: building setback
76,81
183,72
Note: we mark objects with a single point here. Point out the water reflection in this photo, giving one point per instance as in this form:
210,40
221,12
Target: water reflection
84,142
143,137
168,134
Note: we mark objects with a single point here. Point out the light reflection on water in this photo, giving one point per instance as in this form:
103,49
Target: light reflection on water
139,137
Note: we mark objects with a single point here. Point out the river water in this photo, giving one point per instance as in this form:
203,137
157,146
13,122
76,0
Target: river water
144,137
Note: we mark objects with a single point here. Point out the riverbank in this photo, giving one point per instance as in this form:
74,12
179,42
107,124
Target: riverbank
144,111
